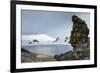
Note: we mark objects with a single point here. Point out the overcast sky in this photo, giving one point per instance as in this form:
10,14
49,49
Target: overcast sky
55,24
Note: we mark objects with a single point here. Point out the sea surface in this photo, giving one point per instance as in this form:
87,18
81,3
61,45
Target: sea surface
52,50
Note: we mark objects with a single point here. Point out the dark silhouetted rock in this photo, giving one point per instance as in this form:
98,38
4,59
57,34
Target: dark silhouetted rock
35,41
65,56
66,39
56,40
29,42
24,50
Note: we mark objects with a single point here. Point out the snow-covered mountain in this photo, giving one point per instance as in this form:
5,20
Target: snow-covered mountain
41,38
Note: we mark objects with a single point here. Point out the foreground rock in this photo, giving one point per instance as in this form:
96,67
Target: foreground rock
79,40
79,33
27,56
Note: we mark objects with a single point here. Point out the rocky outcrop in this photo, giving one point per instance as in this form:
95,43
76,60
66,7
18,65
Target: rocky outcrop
66,39
79,33
79,40
30,43
27,57
35,41
56,40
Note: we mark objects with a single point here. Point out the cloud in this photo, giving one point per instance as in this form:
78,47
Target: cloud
39,37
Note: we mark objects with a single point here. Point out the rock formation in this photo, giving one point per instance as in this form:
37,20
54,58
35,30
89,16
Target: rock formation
66,39
79,40
56,40
29,42
79,33
35,41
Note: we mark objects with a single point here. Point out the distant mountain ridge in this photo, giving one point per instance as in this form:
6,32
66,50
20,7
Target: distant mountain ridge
41,39
37,38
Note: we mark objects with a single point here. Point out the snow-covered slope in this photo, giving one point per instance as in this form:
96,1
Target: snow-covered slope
42,38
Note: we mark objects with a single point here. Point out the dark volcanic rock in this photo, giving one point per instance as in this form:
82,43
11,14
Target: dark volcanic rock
79,40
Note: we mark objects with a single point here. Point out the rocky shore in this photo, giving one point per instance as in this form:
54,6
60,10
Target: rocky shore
27,56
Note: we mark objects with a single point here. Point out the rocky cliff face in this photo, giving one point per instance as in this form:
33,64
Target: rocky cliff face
79,40
79,33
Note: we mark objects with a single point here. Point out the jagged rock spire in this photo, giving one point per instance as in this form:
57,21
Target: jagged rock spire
80,31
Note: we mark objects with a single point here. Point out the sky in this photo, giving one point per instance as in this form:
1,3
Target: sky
55,24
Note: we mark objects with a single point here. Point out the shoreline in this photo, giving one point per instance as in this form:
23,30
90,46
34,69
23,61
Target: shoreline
40,44
27,56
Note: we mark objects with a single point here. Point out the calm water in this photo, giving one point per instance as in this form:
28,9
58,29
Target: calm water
49,49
